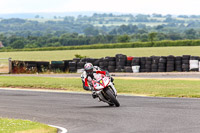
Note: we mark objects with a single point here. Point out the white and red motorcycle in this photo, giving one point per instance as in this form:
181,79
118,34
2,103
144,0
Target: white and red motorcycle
105,90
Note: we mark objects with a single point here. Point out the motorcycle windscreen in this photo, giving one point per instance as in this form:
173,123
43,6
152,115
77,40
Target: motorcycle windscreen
97,86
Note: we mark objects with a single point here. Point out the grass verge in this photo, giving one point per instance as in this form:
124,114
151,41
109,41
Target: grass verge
98,53
24,126
149,87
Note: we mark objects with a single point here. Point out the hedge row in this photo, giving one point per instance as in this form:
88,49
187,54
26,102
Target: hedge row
165,43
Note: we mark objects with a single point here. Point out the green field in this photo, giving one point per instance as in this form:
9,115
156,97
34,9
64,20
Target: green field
24,126
148,87
98,53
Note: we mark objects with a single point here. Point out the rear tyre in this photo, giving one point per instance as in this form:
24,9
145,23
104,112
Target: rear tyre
112,97
111,104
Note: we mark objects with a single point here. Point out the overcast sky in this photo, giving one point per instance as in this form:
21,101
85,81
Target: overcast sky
125,6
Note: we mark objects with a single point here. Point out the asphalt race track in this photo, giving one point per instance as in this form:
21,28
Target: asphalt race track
79,113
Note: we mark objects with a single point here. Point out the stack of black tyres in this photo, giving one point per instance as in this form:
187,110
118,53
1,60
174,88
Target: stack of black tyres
154,65
101,63
75,64
162,64
96,62
170,63
136,61
76,60
128,62
105,63
57,65
185,63
80,65
111,64
72,67
128,69
66,64
42,66
30,64
120,62
88,60
178,63
148,64
143,64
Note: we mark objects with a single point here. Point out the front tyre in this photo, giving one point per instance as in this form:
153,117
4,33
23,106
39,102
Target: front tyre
112,97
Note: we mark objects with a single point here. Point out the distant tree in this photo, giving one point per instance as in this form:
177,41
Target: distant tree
30,46
169,19
13,21
142,18
174,36
168,15
144,37
152,36
142,31
195,16
161,36
123,38
37,16
18,44
159,27
183,16
91,31
190,34
157,15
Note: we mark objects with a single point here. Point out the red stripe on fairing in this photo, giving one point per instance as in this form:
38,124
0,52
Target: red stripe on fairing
104,84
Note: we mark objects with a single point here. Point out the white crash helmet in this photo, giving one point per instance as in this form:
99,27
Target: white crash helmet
88,67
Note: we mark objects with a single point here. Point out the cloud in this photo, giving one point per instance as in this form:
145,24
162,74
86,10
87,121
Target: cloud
137,6
126,6
12,6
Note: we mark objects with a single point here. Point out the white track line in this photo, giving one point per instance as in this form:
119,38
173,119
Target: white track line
63,130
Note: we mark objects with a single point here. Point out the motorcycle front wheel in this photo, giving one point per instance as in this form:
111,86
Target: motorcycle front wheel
112,97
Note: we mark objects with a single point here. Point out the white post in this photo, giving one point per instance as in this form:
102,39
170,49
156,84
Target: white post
10,65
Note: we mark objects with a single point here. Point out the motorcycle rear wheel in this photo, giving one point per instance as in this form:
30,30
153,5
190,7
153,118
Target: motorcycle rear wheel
112,97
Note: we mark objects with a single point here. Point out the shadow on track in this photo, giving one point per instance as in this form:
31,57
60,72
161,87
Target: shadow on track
97,106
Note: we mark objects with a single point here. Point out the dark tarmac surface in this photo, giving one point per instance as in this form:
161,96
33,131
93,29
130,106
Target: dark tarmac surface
80,113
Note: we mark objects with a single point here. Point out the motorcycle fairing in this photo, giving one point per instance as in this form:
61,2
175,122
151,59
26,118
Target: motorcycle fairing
101,82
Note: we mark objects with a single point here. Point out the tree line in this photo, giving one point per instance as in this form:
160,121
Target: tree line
97,29
73,39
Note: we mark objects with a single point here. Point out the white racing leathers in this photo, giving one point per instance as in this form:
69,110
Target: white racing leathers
84,76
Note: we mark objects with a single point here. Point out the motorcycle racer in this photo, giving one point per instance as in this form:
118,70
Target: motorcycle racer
88,75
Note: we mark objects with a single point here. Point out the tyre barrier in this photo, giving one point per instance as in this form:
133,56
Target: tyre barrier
30,66
57,66
119,63
178,64
154,65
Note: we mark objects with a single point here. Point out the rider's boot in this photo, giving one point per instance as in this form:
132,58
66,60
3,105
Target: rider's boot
94,95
